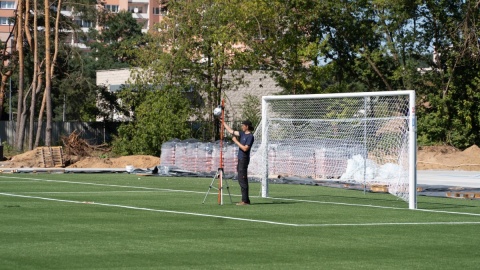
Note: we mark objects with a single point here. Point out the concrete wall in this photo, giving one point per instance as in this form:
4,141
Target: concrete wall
257,83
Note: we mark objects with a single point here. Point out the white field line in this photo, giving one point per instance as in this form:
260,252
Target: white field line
18,181
273,198
103,185
149,209
90,192
241,219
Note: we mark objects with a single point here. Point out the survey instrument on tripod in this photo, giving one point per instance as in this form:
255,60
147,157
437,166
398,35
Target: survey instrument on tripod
220,112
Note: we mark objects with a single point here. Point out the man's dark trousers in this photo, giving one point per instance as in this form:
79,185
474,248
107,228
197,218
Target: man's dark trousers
242,178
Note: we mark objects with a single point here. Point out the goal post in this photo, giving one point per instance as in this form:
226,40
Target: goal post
366,138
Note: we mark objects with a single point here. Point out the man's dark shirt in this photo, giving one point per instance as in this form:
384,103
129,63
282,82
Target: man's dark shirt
245,139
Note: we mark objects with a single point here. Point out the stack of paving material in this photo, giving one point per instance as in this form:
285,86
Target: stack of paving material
230,159
204,158
50,157
167,157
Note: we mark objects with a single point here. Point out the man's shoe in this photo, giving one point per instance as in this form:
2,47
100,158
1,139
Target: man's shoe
242,203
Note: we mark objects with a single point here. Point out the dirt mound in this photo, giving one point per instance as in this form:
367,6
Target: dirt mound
472,151
137,161
438,149
448,158
24,160
29,160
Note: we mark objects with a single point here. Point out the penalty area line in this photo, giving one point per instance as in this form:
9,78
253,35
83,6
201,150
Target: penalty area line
149,209
241,219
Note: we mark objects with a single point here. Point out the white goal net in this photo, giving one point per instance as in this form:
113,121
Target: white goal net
363,138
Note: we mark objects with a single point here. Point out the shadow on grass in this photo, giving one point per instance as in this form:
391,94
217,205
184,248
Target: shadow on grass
432,205
377,201
273,202
339,199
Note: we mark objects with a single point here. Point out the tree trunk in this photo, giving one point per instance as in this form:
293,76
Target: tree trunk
56,42
40,122
48,77
49,66
19,136
23,116
35,84
379,73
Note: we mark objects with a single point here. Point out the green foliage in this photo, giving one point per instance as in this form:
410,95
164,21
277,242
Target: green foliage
194,47
161,117
114,46
75,88
8,149
251,109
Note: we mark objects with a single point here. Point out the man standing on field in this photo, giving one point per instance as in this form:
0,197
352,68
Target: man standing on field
244,143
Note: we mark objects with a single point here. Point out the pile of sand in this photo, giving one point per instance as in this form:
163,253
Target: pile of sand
137,161
448,158
29,160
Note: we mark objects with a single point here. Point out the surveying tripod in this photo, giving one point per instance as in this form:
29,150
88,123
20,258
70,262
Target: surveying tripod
219,176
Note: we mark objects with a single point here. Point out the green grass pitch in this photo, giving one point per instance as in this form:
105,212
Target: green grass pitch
123,221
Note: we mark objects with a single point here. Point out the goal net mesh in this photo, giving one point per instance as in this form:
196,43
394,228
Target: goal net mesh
362,140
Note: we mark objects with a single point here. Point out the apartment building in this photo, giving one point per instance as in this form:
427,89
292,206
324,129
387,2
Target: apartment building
146,12
7,11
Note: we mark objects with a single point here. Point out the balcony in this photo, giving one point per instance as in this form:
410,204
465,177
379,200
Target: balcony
141,16
139,1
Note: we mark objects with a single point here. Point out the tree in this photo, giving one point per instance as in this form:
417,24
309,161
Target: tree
113,46
21,69
162,116
193,48
450,92
36,80
36,52
251,109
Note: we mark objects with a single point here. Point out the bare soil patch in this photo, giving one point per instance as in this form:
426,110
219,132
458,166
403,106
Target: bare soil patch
137,161
29,160
448,158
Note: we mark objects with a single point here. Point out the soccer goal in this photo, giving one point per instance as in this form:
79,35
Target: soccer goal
367,139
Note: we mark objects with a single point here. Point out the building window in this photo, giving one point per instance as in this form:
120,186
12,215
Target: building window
84,24
7,4
160,11
112,8
5,21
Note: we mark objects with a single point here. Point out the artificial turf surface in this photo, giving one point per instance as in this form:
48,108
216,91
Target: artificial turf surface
125,221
